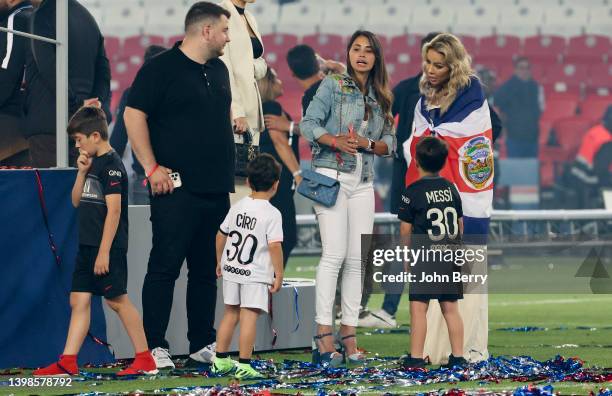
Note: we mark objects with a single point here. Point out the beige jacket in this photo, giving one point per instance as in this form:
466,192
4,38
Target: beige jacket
244,71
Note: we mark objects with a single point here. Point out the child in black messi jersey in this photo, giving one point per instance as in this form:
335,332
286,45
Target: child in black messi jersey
100,194
431,219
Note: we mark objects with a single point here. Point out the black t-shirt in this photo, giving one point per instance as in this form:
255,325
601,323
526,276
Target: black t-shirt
309,94
106,176
433,206
188,109
267,146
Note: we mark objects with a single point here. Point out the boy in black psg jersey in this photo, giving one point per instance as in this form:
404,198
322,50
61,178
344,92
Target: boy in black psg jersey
431,219
100,193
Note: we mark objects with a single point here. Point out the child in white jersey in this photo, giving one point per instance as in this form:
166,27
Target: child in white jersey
250,260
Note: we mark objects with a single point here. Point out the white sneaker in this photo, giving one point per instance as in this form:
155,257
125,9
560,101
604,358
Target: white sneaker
206,354
162,358
380,319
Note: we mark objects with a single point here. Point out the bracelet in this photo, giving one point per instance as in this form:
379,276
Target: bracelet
291,126
333,145
297,173
152,171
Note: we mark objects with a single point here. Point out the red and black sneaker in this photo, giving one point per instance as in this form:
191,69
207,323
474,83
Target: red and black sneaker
143,364
66,366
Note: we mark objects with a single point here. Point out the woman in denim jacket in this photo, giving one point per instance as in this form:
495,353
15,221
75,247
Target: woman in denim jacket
348,122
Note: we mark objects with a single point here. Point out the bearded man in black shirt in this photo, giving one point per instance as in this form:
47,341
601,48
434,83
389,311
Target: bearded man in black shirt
178,120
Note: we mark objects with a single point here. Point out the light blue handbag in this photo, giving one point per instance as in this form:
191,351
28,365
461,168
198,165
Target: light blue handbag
320,188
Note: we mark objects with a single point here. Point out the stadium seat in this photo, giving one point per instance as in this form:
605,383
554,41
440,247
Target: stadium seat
291,102
165,19
588,49
409,44
123,20
470,43
546,48
570,131
565,21
478,20
276,46
343,19
134,47
600,77
566,77
593,107
327,45
389,19
266,14
427,19
112,45
500,48
299,18
559,107
522,20
123,73
599,21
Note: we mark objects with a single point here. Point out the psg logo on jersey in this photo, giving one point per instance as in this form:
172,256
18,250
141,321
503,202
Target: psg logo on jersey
476,162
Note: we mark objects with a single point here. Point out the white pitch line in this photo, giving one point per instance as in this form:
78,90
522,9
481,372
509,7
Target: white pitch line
542,302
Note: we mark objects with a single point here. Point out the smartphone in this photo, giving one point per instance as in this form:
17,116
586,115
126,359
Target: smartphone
176,179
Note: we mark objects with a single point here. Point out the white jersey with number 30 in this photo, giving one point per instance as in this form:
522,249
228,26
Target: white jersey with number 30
250,226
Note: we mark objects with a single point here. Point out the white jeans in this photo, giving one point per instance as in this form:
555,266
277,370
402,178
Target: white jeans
341,228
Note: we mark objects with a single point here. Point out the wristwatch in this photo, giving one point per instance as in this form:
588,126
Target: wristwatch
371,145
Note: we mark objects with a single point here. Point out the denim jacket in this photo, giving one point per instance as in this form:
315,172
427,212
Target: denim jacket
337,100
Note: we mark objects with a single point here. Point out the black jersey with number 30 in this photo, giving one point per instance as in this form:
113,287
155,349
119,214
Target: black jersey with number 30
433,206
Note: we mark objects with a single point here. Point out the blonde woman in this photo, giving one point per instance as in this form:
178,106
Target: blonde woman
453,108
243,57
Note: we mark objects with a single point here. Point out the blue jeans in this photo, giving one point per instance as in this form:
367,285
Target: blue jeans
391,302
521,148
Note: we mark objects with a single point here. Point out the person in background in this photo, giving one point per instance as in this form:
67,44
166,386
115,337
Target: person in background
88,78
139,193
178,120
592,170
348,122
244,59
309,69
14,14
520,101
285,149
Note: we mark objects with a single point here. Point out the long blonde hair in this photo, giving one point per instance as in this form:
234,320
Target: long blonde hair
458,61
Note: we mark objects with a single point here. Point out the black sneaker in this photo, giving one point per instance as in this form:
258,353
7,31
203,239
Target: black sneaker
454,361
408,362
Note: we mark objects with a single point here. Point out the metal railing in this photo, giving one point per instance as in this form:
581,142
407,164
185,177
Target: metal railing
508,229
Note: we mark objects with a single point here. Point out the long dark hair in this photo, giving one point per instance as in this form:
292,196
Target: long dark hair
378,75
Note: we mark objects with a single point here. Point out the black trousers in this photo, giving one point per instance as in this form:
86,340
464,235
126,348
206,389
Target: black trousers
184,227
283,201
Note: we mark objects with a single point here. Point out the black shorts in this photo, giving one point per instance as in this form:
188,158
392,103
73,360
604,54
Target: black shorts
445,290
439,297
111,285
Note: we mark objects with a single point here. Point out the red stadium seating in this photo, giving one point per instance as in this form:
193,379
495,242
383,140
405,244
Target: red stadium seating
544,49
277,45
406,44
601,76
471,44
112,45
123,73
500,48
593,107
329,46
134,47
566,77
570,131
560,107
587,49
